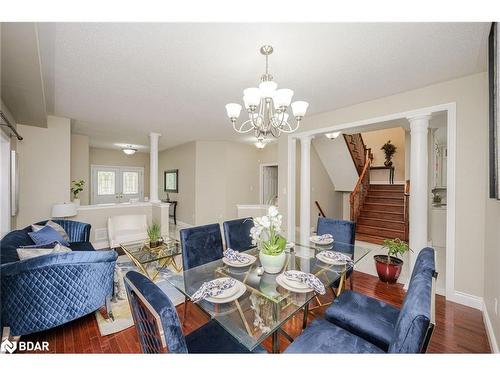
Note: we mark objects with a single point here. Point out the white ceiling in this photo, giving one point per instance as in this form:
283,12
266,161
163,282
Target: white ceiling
118,82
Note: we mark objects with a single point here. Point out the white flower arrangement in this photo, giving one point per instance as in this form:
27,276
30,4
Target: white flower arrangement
266,232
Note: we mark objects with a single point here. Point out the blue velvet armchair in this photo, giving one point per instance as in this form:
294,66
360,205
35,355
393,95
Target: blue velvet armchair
360,324
47,291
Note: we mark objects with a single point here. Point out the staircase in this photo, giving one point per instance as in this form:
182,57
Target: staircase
382,214
357,149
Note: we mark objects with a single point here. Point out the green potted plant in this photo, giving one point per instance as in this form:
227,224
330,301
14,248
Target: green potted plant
389,266
266,234
154,235
389,151
76,189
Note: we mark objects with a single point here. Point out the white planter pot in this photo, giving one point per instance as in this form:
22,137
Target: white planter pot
272,263
76,202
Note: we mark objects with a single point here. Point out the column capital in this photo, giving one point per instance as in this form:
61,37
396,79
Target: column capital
306,138
421,117
154,135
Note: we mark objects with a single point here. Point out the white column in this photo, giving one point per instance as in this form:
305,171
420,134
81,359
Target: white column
419,170
305,189
153,167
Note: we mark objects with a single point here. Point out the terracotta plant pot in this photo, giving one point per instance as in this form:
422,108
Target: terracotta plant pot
388,272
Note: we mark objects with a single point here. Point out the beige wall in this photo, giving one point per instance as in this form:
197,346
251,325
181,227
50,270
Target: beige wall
44,169
214,176
268,154
375,140
183,158
101,156
470,95
80,164
242,176
227,174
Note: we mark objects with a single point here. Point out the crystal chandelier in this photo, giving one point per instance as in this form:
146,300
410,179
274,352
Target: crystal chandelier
267,107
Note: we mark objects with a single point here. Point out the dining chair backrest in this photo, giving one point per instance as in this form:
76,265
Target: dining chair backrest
200,245
237,234
154,315
416,320
342,230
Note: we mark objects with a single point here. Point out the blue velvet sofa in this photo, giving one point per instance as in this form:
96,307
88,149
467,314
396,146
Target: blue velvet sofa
355,323
47,291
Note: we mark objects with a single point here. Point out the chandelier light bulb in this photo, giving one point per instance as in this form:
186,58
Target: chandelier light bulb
299,108
233,110
282,98
251,96
267,89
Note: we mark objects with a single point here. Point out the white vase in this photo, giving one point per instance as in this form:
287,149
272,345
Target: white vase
76,202
272,263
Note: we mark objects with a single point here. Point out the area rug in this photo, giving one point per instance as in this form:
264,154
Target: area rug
120,307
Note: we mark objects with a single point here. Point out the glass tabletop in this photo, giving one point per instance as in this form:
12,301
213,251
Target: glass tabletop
265,305
142,253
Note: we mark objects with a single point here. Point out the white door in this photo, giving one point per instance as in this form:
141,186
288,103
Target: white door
116,184
269,181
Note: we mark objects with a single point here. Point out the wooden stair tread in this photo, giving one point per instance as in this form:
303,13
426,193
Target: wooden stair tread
385,204
380,219
378,228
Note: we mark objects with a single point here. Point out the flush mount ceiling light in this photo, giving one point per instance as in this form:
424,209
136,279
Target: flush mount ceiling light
129,150
332,135
260,143
267,107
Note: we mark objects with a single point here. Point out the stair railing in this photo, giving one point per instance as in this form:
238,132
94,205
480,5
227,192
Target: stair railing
407,210
358,195
321,213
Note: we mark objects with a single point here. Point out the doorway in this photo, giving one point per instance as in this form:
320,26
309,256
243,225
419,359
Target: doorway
269,184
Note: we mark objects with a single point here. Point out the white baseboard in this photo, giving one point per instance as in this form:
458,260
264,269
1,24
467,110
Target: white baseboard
489,330
467,300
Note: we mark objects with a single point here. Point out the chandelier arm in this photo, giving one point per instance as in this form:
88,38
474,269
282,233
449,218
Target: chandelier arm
275,132
242,126
290,128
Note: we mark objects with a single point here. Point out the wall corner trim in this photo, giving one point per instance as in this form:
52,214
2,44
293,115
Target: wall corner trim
489,330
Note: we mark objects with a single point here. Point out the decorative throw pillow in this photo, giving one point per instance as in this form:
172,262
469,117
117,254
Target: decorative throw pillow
54,225
47,235
30,252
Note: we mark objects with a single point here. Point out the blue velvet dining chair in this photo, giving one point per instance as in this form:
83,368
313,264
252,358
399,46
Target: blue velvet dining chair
200,245
360,324
342,231
237,234
159,329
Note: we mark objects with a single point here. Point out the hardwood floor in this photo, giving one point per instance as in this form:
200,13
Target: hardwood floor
459,329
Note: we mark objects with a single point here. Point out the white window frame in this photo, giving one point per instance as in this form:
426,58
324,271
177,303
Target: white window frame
116,198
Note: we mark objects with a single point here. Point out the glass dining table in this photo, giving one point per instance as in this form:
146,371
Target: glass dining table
265,305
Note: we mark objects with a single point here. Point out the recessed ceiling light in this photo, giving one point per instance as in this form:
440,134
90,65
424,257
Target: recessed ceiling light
332,135
129,150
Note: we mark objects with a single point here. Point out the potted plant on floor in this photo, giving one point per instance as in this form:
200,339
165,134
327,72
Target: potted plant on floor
266,234
389,266
76,189
154,235
389,151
